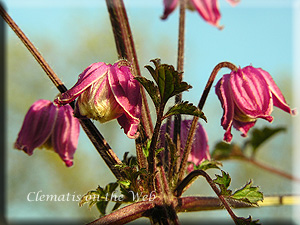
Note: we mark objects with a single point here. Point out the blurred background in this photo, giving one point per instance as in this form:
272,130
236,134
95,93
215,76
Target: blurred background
71,35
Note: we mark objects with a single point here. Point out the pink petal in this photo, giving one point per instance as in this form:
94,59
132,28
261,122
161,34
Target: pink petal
65,134
37,126
126,91
88,77
170,6
209,10
278,98
243,126
225,96
251,94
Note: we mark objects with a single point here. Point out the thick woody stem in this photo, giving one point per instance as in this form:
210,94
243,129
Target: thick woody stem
92,132
189,142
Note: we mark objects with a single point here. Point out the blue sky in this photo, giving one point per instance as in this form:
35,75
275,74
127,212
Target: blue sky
257,32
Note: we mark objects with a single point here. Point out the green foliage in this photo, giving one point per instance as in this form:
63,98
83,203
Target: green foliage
259,136
168,82
152,90
224,151
224,183
248,194
185,108
246,221
208,164
99,197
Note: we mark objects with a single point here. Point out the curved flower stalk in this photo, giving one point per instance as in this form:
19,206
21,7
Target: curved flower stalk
200,147
106,92
47,125
246,95
208,9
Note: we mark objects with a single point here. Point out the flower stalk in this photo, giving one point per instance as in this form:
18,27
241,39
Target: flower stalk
101,145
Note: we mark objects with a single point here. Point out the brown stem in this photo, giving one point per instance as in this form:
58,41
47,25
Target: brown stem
189,142
180,68
95,136
195,203
126,50
271,169
125,214
178,191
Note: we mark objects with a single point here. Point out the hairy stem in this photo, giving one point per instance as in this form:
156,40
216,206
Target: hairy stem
180,68
186,181
92,132
189,142
126,50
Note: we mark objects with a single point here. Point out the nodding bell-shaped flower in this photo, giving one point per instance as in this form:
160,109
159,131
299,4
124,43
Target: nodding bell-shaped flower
47,125
246,95
106,92
200,147
208,9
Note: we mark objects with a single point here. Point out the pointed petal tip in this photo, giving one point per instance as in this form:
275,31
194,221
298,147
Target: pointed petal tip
227,137
294,112
69,163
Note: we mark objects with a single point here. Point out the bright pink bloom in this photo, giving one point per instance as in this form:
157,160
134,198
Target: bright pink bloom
47,125
246,95
106,92
200,147
208,9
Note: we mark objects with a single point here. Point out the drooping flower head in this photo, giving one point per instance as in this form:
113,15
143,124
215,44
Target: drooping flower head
246,95
106,92
200,147
208,9
48,126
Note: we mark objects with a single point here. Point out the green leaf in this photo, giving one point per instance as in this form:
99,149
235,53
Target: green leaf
247,221
185,108
224,151
208,164
167,79
157,151
259,136
125,183
224,182
146,148
248,194
152,90
101,206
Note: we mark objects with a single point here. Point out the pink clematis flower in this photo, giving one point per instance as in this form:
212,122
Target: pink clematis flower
106,92
246,95
49,126
208,9
200,147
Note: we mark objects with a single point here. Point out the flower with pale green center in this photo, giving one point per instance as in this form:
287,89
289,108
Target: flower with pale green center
47,125
106,92
246,95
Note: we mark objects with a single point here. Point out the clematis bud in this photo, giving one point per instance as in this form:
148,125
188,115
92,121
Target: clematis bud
246,95
208,9
106,92
48,126
200,147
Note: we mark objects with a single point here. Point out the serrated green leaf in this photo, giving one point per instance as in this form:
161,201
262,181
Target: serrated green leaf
224,182
168,80
248,194
259,136
224,151
146,148
111,187
185,108
208,164
152,90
